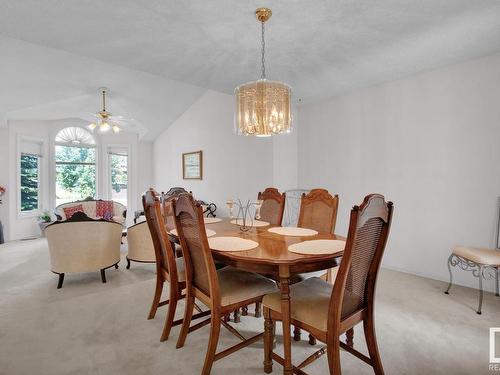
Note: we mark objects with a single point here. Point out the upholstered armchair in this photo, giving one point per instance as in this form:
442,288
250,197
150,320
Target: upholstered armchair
140,244
83,246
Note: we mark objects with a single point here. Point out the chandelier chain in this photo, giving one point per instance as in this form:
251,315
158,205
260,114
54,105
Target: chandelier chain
263,59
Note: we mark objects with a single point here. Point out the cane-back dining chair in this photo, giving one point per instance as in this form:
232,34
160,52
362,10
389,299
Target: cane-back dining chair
328,311
273,205
222,290
272,209
318,211
168,268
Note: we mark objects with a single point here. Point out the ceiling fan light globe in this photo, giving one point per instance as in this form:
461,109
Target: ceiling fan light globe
116,129
92,126
104,127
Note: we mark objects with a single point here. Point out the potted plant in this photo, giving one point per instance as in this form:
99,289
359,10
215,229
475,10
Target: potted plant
43,220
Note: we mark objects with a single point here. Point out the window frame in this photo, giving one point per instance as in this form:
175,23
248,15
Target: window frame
54,163
41,142
109,186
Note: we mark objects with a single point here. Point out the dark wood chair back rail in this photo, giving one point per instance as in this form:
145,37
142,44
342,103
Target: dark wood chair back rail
318,211
273,205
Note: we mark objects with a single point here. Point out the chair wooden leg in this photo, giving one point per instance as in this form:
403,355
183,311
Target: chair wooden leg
333,353
349,337
156,298
268,341
61,280
258,312
297,334
188,314
103,275
244,311
169,320
371,343
212,343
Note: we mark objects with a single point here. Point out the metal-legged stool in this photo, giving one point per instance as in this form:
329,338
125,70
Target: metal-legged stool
484,264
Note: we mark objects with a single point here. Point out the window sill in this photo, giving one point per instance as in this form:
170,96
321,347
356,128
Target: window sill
28,214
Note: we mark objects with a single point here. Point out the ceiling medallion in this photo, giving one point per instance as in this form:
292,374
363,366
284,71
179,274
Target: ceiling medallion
263,107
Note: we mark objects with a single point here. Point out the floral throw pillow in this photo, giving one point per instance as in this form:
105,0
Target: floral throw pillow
69,211
104,209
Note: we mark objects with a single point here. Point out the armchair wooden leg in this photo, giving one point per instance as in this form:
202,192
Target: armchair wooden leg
169,320
103,275
212,343
156,298
116,266
236,316
258,312
61,280
371,343
296,333
128,263
188,314
268,341
312,340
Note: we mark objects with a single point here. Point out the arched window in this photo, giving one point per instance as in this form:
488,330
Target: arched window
75,160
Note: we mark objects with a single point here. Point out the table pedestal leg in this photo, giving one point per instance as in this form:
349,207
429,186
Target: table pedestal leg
285,312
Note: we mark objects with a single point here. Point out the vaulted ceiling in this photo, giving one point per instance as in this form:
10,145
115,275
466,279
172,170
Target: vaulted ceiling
322,48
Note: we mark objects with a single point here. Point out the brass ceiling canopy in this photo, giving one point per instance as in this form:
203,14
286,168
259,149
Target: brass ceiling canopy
263,107
263,14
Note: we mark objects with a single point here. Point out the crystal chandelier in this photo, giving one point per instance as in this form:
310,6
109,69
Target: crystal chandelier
263,107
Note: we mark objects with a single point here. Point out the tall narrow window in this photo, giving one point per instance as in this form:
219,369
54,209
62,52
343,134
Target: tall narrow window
118,165
30,182
29,179
75,158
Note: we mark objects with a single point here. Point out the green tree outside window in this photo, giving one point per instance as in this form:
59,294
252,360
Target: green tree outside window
29,182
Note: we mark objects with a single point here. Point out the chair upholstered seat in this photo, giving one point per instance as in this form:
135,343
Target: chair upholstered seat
236,286
310,301
488,257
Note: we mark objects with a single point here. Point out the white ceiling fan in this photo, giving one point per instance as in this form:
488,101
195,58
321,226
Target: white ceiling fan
105,121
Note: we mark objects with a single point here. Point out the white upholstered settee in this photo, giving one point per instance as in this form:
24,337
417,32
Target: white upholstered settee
89,207
81,244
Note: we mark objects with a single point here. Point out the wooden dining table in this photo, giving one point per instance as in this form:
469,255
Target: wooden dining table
272,258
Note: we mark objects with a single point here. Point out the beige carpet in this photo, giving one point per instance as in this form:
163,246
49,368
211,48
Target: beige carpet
92,328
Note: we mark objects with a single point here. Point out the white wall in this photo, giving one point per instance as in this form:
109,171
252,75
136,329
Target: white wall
4,177
233,166
285,158
430,143
145,167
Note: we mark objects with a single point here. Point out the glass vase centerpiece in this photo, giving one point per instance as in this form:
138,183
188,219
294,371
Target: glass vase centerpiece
245,214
